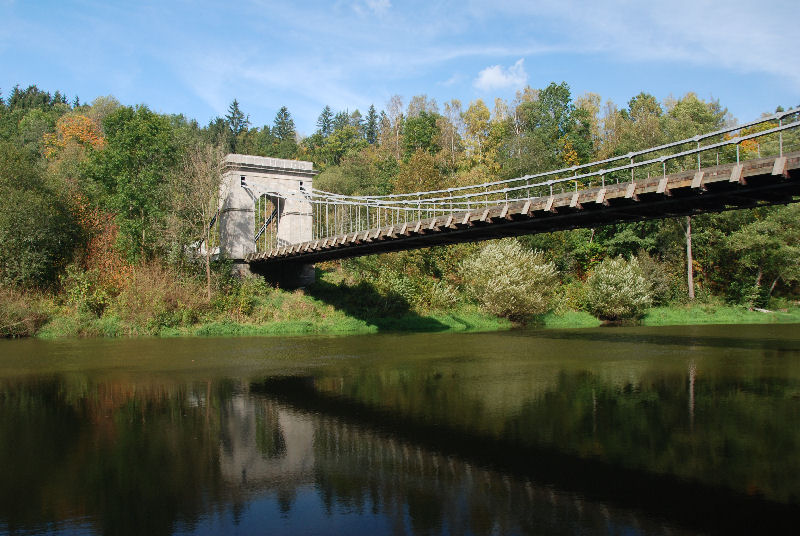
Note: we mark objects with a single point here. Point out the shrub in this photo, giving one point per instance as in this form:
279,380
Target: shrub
664,286
510,281
37,230
83,290
617,290
155,298
21,314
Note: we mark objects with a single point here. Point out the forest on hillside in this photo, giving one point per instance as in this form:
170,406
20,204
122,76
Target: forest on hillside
102,201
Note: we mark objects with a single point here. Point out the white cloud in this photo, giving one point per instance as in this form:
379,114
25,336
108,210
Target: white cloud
496,77
379,6
738,35
455,79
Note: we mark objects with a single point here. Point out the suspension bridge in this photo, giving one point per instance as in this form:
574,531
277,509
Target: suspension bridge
276,223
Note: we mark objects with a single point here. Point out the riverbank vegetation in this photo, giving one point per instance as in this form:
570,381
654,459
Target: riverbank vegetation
103,203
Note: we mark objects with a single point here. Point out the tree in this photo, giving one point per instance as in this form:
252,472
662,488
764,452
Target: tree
476,120
237,123
394,126
134,167
196,192
283,126
341,120
641,124
510,281
330,150
325,121
617,290
451,125
768,249
421,103
418,174
32,97
371,126
357,122
37,229
421,133
284,133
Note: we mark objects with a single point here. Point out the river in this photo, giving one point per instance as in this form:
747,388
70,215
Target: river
624,430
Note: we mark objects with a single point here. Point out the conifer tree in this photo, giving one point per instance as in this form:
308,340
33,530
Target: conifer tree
283,128
371,126
325,121
341,120
237,123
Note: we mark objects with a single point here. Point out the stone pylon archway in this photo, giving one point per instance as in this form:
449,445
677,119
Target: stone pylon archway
248,178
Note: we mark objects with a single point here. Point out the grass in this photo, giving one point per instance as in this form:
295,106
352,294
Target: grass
567,319
715,314
255,308
21,314
155,303
466,321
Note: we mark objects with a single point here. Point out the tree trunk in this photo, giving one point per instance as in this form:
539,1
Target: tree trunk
208,265
772,286
689,258
759,277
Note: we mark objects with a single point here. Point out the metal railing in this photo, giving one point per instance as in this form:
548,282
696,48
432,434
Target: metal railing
336,214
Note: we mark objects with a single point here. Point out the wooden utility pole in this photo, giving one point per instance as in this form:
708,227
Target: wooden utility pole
689,268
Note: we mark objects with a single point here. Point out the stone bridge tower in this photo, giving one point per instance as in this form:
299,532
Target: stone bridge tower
245,180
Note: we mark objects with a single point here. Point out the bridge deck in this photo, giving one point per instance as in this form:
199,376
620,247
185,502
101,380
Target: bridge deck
766,181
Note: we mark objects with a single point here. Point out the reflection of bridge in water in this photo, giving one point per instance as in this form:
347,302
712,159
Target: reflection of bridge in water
419,489
275,220
287,434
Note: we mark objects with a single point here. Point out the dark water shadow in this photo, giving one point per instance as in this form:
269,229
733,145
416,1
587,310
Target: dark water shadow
693,505
615,335
388,312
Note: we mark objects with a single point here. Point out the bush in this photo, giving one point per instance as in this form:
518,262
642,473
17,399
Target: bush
82,289
156,298
510,281
37,230
21,315
617,290
664,286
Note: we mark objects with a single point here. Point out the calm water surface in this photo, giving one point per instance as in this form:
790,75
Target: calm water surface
625,431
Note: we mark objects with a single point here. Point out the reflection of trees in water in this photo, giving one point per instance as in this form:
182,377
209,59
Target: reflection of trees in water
269,436
741,431
144,457
127,458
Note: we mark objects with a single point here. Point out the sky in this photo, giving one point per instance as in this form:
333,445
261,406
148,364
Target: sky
195,57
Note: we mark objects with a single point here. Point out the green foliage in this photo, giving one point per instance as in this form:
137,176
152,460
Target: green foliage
547,122
331,149
617,290
50,204
421,133
371,126
510,281
418,174
325,122
715,314
37,229
21,314
283,130
663,284
83,290
134,169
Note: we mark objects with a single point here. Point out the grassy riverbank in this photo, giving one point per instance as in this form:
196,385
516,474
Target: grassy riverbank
717,314
155,304
677,315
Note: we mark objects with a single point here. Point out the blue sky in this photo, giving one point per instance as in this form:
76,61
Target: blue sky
195,57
